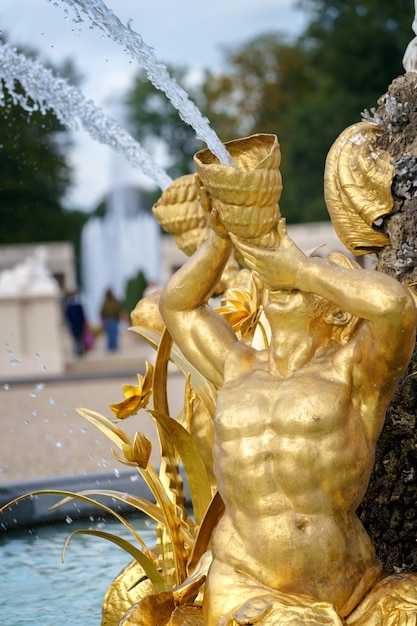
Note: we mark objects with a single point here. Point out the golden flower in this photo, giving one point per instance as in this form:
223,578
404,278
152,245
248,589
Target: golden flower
136,396
138,452
242,310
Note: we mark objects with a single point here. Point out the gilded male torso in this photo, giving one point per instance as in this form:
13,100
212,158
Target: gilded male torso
292,461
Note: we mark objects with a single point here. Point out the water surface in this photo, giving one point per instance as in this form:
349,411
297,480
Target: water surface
36,588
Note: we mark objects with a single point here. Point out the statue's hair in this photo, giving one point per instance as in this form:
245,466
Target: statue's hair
322,306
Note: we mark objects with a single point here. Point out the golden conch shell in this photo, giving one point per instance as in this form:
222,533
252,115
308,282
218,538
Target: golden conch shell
178,209
246,198
192,240
180,213
357,187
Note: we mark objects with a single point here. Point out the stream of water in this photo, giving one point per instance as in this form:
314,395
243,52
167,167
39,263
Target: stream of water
103,18
44,91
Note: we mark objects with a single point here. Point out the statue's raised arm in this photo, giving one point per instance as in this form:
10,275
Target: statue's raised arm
370,309
202,335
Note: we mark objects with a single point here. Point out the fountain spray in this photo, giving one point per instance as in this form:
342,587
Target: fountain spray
44,91
102,17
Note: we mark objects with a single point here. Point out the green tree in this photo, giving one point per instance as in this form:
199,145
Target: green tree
35,176
263,83
134,291
358,46
155,122
355,49
305,90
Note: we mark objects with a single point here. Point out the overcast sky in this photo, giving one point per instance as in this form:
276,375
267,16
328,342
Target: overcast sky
184,32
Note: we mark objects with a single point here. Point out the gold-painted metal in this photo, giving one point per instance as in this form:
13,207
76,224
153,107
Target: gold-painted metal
244,199
357,187
296,423
180,213
146,313
294,372
136,396
127,589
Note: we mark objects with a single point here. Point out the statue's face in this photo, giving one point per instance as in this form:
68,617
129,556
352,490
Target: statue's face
299,310
283,303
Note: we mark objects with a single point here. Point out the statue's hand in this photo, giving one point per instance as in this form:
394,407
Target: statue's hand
269,610
216,224
212,213
277,267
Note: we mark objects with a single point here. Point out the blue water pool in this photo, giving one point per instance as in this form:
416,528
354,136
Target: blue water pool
36,588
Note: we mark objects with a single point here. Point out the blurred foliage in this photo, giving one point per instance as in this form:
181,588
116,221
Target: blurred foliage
305,90
35,175
135,287
154,122
137,199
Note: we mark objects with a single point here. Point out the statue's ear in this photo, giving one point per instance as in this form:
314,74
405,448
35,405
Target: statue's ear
337,317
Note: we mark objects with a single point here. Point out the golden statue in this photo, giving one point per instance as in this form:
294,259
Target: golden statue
282,423
295,424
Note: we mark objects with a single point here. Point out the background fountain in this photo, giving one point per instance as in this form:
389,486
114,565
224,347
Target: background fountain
116,247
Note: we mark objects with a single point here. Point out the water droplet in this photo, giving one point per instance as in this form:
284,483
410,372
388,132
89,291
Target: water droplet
43,368
15,361
84,429
6,387
51,401
69,519
71,431
46,420
26,422
37,356
116,473
58,444
39,386
34,412
32,394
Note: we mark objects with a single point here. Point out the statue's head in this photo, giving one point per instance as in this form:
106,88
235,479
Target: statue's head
344,324
322,318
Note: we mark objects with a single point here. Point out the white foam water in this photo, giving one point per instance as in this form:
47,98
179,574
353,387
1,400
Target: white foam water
44,91
103,18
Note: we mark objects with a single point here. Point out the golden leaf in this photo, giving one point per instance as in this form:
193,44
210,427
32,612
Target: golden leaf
136,396
142,449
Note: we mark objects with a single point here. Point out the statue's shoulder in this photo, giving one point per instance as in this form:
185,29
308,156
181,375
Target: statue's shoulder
338,363
241,359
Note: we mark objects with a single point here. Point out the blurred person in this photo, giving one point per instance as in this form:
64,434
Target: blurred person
76,320
111,312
